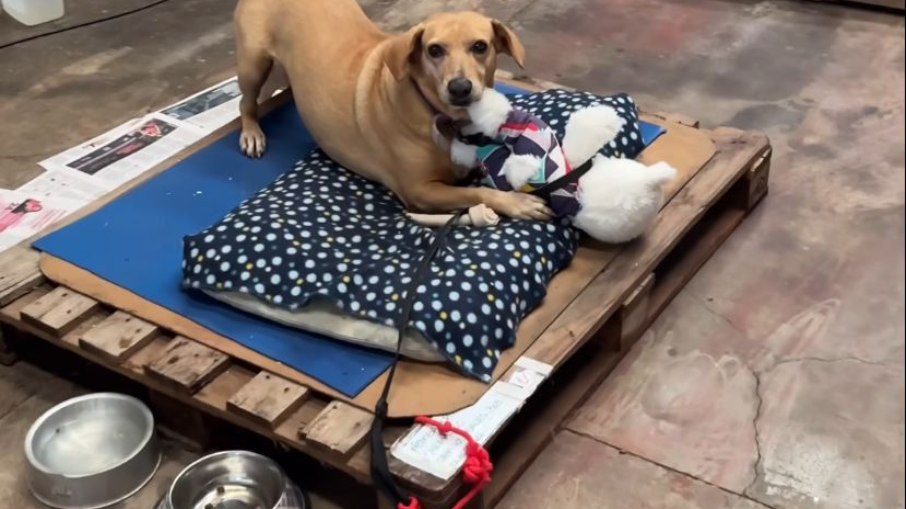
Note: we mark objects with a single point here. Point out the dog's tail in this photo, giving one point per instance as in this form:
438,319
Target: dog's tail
587,131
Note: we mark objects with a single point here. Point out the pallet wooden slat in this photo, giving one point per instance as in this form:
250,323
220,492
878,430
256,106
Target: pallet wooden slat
341,428
633,313
187,365
757,182
59,311
118,336
267,399
19,273
678,118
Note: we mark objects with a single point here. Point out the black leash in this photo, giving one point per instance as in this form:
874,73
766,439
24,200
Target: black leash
380,469
546,190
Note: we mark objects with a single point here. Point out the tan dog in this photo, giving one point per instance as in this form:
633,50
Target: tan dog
369,99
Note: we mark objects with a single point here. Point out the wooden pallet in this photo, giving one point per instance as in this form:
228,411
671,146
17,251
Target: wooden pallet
603,321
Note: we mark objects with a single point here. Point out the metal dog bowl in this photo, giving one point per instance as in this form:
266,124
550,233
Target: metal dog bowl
233,480
91,451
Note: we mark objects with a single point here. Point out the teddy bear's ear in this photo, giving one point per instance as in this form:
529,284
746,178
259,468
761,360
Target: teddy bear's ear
506,41
402,52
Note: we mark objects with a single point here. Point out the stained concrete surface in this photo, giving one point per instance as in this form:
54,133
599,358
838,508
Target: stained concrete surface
775,379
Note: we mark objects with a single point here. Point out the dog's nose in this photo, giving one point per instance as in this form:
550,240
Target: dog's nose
459,89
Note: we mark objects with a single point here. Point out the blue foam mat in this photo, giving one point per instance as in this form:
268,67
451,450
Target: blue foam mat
135,242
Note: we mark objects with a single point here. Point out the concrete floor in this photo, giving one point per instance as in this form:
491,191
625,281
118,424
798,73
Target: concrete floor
775,379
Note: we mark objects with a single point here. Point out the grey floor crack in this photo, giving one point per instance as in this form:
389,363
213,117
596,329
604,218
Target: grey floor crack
707,306
759,407
845,358
759,402
669,468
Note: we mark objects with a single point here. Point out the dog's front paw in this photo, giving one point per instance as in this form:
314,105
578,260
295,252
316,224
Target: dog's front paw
521,206
252,142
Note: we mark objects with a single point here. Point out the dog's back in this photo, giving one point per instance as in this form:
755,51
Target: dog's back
322,46
317,37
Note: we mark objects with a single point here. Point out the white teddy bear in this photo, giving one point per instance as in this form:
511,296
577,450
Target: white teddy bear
614,200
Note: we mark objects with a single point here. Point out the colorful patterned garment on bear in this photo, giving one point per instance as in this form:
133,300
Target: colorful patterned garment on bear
525,134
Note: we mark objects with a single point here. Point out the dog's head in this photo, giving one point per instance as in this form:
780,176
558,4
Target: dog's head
453,56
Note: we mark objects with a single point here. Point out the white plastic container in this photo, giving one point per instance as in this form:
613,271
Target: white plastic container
33,12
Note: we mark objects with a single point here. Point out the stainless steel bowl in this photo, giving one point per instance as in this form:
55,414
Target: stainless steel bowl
233,480
91,451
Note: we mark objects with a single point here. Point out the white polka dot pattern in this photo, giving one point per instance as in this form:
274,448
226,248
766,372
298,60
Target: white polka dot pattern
320,231
555,107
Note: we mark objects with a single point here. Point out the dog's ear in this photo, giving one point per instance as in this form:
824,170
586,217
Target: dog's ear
403,50
506,41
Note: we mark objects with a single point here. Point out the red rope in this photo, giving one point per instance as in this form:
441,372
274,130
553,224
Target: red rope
476,470
413,504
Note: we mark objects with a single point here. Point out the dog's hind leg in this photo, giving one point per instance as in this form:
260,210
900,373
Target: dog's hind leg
253,66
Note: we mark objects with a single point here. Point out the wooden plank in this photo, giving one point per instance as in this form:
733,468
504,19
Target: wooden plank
678,118
59,311
707,240
544,414
340,428
756,180
146,354
19,273
291,427
119,336
187,365
216,392
13,310
634,312
267,399
617,332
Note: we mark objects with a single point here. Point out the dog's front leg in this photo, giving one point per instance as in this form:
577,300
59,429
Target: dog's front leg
438,197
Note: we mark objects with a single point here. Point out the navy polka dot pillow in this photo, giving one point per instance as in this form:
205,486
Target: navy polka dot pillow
555,107
321,232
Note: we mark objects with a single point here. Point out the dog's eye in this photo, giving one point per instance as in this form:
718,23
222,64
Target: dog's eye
480,48
436,51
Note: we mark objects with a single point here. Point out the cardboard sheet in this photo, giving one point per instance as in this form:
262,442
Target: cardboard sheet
418,388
